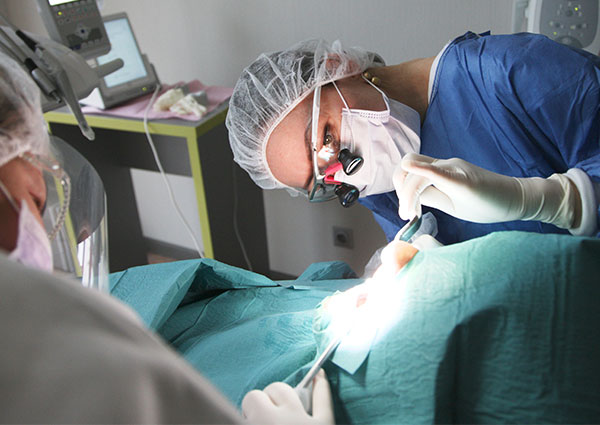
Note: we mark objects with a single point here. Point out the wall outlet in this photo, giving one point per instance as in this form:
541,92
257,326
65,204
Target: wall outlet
343,236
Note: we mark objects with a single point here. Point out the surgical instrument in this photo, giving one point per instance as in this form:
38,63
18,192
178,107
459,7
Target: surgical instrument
304,388
409,229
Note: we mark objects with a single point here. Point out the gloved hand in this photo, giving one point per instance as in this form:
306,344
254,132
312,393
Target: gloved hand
471,193
279,404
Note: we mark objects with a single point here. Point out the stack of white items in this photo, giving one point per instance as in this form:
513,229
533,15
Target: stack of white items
180,101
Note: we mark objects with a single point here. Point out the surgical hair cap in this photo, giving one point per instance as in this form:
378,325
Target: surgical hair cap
22,126
273,85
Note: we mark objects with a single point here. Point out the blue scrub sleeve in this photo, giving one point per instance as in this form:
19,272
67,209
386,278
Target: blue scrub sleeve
384,207
557,90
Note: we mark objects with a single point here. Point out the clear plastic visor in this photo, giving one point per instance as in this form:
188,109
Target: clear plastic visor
58,190
76,213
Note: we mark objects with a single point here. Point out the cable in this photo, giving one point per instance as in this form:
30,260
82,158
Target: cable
164,175
235,221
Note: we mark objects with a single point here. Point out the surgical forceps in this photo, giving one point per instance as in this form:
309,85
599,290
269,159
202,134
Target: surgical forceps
304,387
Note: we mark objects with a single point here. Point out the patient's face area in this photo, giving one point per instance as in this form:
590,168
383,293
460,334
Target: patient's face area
25,183
394,257
289,148
366,312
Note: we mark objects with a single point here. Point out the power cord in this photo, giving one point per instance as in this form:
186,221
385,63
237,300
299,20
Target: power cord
164,175
172,197
235,220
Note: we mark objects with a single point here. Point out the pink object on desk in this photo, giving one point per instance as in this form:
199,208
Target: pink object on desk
135,108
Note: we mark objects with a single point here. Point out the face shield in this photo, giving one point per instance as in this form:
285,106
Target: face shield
75,215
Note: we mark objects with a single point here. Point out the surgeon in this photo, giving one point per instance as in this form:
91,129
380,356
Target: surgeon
76,355
494,133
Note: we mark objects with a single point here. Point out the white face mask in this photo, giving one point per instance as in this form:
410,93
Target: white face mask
382,138
33,246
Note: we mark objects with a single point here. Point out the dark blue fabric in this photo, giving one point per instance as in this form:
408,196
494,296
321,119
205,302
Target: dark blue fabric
519,105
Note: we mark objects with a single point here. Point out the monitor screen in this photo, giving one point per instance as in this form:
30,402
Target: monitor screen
123,46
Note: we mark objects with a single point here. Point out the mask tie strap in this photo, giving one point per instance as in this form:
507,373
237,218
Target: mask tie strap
385,98
340,93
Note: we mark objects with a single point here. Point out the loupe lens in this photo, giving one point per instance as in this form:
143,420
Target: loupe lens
350,162
347,194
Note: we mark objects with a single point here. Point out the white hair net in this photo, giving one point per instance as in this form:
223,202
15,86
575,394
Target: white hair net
273,85
22,126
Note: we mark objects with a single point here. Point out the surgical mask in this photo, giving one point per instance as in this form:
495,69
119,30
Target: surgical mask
381,138
33,246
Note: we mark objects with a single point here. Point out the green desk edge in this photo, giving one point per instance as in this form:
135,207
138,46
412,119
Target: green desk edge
190,132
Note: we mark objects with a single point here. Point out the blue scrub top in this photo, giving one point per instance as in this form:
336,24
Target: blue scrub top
520,105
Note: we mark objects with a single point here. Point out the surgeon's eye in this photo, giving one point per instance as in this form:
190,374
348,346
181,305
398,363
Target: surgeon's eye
327,155
40,204
329,140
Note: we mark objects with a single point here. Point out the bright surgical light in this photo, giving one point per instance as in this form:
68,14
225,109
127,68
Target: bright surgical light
364,314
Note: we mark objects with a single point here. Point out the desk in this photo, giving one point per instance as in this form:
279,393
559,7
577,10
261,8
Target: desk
199,149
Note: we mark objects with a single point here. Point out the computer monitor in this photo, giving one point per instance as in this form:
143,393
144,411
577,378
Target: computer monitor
135,78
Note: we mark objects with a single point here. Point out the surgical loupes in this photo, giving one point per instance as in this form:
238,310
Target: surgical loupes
347,194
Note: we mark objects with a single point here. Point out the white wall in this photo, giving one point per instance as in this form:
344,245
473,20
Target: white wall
154,203
213,40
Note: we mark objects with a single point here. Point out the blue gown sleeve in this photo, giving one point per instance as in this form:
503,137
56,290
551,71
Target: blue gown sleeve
553,87
384,207
555,91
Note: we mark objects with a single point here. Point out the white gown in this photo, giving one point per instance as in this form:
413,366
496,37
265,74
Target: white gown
72,355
